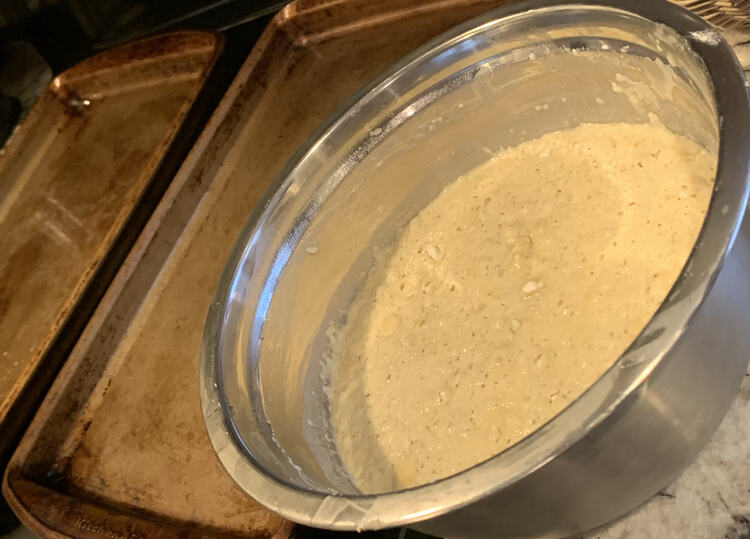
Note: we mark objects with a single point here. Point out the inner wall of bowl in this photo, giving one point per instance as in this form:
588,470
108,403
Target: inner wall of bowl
339,216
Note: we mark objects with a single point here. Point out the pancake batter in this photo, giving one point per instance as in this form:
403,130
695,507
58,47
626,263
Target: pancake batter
509,295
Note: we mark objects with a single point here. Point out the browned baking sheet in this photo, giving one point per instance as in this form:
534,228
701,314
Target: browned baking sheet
71,180
119,446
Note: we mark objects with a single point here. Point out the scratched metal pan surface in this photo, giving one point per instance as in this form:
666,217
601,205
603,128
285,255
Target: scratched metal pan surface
118,447
72,178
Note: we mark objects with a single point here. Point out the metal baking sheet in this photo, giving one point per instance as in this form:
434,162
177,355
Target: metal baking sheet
119,446
72,180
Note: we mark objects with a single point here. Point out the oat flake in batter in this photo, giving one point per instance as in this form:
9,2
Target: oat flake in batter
510,294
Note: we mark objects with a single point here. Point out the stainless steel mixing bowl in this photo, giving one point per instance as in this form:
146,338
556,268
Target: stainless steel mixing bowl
507,76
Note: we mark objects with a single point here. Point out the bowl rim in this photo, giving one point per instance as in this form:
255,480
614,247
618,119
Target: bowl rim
722,222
